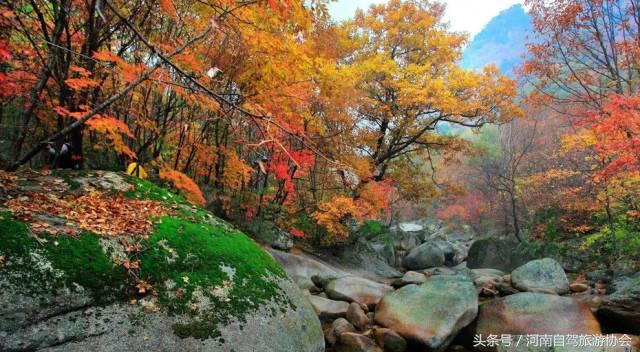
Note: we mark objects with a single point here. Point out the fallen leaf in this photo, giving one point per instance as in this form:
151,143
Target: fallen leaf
143,287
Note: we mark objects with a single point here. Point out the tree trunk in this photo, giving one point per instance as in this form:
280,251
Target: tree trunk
514,214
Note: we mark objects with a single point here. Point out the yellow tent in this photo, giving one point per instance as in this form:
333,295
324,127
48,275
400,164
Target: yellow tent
134,170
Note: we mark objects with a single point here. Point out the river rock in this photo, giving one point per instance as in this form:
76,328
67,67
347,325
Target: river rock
578,287
432,313
479,272
540,275
360,259
357,316
486,277
536,313
320,280
356,289
305,284
620,312
328,309
505,289
338,326
384,248
304,265
490,253
352,342
410,227
389,340
441,270
282,241
410,277
427,255
454,251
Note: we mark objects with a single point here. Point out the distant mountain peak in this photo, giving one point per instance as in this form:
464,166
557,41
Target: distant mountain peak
501,42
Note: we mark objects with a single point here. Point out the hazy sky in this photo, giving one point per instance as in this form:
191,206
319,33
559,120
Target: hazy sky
464,15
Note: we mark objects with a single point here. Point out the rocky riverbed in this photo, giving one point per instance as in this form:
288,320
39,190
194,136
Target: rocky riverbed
421,295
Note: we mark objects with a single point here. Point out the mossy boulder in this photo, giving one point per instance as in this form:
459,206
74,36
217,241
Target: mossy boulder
198,284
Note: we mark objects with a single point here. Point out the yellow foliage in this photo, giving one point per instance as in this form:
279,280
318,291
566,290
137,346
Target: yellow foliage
334,214
583,139
140,172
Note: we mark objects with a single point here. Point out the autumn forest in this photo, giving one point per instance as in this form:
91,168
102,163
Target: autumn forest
273,117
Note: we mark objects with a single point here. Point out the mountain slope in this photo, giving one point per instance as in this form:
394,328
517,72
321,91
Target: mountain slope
501,42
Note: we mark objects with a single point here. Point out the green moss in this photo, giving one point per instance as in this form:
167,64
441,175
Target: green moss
84,262
370,229
56,262
144,189
191,257
21,268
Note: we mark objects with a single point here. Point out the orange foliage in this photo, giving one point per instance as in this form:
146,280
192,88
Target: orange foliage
168,8
113,129
185,184
94,212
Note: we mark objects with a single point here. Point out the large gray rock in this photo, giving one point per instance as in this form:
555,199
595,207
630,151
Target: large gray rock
282,241
407,236
411,227
490,253
328,309
305,284
536,313
269,233
362,260
211,291
385,250
541,275
357,259
427,255
620,312
303,265
454,251
432,313
357,289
